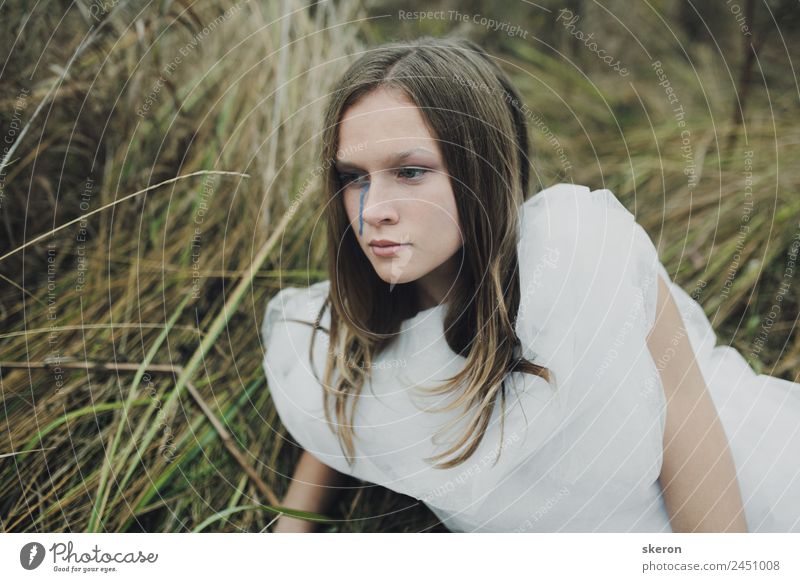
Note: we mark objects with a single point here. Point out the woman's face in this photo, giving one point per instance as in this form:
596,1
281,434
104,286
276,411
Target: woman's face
387,152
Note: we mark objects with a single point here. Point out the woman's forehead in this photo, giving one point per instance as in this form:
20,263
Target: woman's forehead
381,115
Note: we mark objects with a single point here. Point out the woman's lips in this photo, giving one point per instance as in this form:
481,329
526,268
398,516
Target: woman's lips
388,251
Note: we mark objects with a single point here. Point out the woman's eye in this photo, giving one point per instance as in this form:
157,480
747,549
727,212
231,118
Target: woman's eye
411,173
347,179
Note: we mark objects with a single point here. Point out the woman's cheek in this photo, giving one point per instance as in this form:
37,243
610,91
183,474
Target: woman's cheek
445,216
350,210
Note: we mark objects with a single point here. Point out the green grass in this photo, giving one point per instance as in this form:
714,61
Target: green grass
231,107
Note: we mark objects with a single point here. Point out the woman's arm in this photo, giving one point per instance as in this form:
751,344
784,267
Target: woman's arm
698,475
313,488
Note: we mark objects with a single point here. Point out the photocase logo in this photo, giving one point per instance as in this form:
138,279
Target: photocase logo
31,555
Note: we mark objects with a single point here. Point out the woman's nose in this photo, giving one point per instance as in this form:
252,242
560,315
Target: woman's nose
377,200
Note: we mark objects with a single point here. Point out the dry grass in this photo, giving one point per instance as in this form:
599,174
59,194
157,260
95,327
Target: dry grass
127,448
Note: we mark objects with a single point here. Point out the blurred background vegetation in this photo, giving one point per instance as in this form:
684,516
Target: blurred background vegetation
130,358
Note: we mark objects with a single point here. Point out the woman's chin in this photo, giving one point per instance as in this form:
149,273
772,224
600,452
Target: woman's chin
396,275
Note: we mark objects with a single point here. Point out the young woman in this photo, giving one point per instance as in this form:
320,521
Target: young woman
515,365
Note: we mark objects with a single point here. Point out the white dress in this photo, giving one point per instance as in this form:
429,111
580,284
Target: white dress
584,457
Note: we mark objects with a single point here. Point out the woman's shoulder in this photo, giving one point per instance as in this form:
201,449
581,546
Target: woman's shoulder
583,259
568,230
592,226
289,319
566,208
298,302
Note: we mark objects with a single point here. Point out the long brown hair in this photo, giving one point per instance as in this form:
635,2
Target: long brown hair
473,110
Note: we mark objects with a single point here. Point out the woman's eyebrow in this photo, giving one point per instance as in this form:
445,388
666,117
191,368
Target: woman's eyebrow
391,161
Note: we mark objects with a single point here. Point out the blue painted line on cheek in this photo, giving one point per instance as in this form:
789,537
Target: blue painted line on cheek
364,189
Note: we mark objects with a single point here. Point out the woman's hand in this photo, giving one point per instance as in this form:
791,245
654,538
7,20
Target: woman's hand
314,487
286,524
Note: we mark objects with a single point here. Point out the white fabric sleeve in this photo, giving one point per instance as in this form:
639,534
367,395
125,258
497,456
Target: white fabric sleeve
589,285
590,251
295,391
282,356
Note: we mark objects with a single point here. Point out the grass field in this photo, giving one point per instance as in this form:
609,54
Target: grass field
159,185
